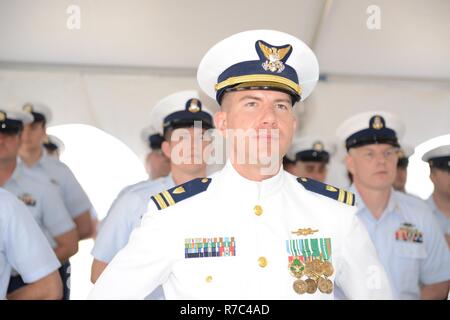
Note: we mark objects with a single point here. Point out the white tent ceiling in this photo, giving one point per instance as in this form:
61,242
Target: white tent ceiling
129,54
413,41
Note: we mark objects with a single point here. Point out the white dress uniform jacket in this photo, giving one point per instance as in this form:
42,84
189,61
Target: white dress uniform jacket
251,223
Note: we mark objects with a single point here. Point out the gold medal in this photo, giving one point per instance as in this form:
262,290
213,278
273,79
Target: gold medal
327,269
311,286
317,267
299,286
325,285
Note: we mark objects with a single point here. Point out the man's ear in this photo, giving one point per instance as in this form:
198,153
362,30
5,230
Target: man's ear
294,124
165,147
349,163
220,121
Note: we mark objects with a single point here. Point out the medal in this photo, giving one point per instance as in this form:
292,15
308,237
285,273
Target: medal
311,286
296,268
327,269
325,285
299,286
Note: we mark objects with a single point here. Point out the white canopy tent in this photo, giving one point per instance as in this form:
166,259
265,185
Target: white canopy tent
129,54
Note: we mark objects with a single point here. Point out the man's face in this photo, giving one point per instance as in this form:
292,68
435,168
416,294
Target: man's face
157,164
9,146
33,135
185,149
400,179
310,169
373,166
268,115
441,181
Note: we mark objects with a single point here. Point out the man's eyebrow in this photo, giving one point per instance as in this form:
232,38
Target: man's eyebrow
283,100
250,97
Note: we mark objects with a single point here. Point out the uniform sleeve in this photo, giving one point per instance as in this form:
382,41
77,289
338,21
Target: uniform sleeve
435,267
142,265
360,273
28,251
123,216
75,199
56,219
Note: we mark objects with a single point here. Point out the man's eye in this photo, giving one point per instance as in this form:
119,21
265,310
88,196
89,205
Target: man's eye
250,104
282,106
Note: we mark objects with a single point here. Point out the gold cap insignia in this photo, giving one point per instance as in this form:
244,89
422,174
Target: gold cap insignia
377,123
304,232
2,116
318,146
28,108
194,107
274,57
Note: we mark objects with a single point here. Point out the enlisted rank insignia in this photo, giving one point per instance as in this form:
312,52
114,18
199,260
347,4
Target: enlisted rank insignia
309,261
408,233
176,194
209,247
275,56
2,116
28,199
338,194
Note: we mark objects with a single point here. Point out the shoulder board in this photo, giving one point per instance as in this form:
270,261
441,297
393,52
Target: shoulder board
327,190
181,192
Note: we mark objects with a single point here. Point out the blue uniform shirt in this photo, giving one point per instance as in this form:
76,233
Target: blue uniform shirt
42,200
409,243
73,195
125,215
22,244
443,220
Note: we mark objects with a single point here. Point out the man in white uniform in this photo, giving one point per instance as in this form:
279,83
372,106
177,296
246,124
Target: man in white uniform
252,230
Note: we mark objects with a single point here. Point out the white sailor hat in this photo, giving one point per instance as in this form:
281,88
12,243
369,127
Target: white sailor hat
438,157
152,138
404,153
53,143
259,59
180,110
310,148
11,122
370,127
39,111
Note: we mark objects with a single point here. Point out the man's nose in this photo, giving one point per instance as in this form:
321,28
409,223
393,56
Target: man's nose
268,117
